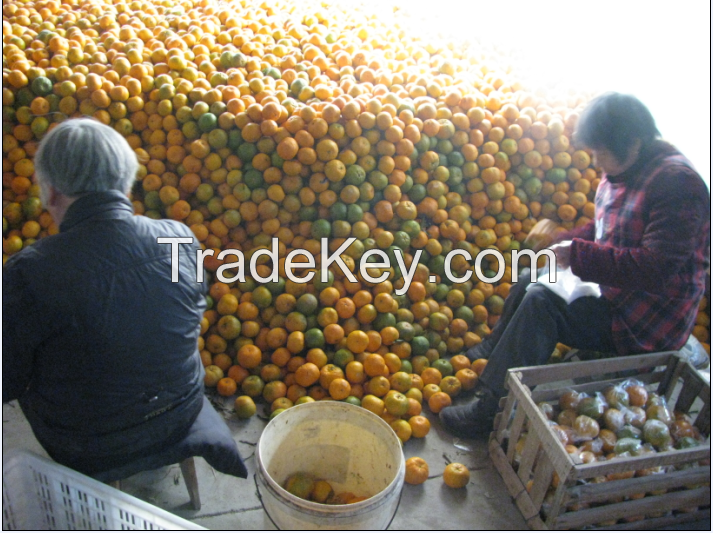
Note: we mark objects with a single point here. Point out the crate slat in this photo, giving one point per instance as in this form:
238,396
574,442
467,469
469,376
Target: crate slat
672,375
693,375
661,522
703,420
501,423
532,446
688,396
500,460
542,480
536,524
598,492
624,464
559,502
561,461
652,504
515,430
559,372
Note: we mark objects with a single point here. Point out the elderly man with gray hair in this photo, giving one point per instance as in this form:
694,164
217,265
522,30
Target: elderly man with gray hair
99,346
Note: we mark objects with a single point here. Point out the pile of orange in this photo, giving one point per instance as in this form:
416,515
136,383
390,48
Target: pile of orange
296,121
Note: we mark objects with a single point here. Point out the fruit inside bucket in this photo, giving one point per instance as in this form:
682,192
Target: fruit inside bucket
353,450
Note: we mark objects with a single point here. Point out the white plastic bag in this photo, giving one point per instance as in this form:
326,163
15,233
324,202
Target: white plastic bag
695,354
568,286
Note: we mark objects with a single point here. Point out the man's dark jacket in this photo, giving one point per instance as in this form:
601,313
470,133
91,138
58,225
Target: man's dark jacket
99,346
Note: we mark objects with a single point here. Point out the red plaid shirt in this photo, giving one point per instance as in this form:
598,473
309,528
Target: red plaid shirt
649,249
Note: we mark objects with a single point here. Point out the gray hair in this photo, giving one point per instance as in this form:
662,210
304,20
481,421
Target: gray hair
83,155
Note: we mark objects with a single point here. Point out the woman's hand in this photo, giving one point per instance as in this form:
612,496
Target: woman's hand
562,254
541,235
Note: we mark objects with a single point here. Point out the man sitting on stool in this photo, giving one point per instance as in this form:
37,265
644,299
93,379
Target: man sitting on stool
99,346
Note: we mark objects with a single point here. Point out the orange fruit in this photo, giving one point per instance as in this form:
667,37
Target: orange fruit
402,429
451,385
307,374
414,406
207,357
479,365
274,390
319,358
429,390
287,148
373,403
389,335
459,361
249,356
229,327
227,305
438,401
317,392
456,475
223,361
252,386
431,376
355,372
245,407
300,484
416,382
400,381
321,491
637,395
238,373
416,471
384,303
374,365
279,405
379,386
329,373
357,341
295,392
396,403
226,386
295,342
468,378
420,426
339,388
333,333
213,374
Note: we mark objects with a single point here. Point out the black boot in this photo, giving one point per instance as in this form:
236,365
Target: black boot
480,351
472,419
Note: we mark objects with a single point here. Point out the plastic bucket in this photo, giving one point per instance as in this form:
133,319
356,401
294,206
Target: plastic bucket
350,447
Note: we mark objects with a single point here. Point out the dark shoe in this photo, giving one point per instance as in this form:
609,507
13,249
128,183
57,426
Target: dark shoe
480,351
472,419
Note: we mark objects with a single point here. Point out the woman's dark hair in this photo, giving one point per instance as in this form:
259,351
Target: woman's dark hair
614,121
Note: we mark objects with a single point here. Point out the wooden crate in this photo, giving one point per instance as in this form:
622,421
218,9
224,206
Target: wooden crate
648,502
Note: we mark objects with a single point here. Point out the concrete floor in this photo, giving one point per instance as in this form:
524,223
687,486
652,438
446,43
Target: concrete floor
230,503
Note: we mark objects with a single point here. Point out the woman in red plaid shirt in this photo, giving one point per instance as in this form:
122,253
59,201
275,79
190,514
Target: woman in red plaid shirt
648,248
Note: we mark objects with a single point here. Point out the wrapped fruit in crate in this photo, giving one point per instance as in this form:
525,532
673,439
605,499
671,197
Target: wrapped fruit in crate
610,451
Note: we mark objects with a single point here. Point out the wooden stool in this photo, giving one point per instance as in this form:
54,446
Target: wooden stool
209,437
188,469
